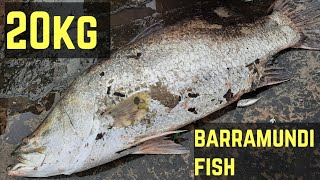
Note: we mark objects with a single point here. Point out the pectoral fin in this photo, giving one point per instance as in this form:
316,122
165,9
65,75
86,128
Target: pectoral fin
131,110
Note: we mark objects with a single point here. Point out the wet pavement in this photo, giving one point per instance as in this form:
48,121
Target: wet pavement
30,88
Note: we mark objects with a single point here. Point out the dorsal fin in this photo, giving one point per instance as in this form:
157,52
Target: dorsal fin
146,32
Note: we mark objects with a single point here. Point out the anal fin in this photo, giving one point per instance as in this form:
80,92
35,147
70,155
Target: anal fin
156,144
274,75
270,73
144,139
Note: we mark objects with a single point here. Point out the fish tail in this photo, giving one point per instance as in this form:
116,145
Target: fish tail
305,16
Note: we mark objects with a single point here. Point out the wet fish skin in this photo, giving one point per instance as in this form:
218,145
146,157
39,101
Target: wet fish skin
156,85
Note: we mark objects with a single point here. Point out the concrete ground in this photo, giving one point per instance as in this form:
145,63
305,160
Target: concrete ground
29,89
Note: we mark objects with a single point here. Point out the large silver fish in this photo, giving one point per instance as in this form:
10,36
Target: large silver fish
159,84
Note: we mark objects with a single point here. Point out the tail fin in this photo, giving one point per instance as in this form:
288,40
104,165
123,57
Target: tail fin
305,15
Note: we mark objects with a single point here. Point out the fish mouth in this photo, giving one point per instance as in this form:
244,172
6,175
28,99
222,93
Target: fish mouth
28,160
15,170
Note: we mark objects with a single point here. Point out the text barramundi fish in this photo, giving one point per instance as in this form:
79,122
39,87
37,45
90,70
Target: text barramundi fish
159,84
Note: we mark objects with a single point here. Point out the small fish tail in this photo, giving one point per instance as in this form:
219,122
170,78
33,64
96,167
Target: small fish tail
305,16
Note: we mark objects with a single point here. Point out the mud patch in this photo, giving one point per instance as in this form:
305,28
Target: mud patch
193,110
108,90
99,136
160,92
228,95
193,95
119,94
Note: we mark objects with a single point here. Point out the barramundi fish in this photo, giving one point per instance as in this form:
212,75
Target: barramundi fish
160,83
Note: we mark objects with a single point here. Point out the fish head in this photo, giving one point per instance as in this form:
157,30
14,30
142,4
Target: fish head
38,159
30,159
75,131
56,147
27,164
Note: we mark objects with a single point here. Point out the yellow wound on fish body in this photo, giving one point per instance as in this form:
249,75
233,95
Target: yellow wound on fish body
131,110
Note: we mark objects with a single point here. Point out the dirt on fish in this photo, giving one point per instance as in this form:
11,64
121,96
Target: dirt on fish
161,93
